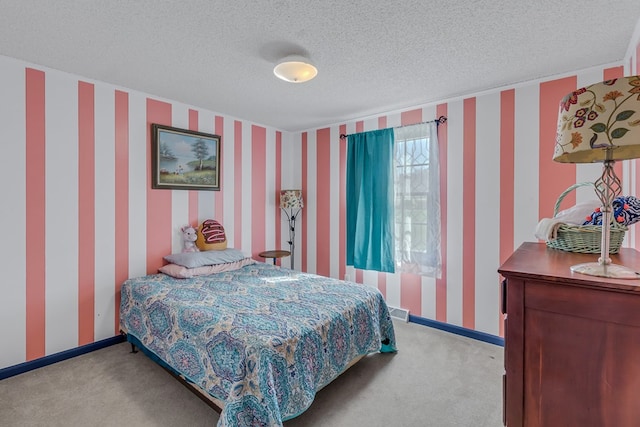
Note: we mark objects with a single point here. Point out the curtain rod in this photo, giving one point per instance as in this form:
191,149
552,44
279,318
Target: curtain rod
440,120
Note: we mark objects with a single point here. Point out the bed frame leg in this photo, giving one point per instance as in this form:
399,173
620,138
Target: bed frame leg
133,348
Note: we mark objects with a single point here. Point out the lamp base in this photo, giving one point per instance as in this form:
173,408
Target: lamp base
613,271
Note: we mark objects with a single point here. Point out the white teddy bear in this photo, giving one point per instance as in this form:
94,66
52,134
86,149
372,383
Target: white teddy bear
189,235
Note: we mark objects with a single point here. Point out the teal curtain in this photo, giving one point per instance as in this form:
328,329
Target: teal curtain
370,195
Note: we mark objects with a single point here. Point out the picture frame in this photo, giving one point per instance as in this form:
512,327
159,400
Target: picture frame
184,160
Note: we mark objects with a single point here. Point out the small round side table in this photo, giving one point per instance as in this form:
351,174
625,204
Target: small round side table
274,254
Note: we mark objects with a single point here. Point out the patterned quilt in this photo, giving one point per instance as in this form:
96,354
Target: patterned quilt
262,339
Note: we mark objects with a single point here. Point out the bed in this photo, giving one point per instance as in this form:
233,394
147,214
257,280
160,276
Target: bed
257,340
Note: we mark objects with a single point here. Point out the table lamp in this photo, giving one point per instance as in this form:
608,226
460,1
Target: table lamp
601,123
291,203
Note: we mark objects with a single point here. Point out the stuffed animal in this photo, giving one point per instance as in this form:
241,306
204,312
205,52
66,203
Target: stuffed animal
189,236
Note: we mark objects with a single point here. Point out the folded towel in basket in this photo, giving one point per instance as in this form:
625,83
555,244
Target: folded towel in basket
547,228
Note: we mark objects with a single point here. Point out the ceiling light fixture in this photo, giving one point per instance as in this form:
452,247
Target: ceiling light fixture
295,69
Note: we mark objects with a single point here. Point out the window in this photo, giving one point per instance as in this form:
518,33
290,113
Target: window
417,200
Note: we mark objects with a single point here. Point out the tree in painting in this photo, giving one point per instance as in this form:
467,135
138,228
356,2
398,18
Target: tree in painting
200,151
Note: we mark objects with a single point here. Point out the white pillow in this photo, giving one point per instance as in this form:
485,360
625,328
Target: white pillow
199,259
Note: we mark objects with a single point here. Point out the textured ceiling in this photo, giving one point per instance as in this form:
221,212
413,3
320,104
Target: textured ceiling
372,56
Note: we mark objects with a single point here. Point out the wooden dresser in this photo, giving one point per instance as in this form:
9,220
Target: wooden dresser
572,341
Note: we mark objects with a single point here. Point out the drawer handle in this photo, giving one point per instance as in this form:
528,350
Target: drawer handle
504,296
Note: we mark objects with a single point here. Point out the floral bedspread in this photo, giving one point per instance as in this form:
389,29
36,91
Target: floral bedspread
262,339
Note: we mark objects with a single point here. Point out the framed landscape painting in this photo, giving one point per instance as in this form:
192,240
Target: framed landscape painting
184,159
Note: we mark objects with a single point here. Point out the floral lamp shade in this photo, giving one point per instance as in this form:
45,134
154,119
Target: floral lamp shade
600,122
291,199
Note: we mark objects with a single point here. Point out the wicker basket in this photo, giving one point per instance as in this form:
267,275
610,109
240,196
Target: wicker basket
584,238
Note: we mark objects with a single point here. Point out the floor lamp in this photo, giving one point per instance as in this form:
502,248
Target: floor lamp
601,123
291,203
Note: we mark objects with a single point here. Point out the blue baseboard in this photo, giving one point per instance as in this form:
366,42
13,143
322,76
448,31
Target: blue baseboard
459,330
68,354
58,357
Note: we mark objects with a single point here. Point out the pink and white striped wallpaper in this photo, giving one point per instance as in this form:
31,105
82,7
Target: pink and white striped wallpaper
498,180
78,215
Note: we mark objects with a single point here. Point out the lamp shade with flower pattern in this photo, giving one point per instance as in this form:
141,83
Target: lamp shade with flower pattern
291,199
601,123
598,121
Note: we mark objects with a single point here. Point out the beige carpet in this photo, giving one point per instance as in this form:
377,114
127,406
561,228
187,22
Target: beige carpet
436,379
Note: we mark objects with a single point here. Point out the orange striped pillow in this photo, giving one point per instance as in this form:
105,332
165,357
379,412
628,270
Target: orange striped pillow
211,236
